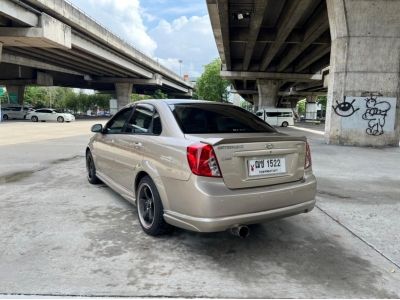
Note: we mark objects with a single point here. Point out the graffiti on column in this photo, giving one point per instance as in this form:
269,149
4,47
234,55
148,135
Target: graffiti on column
345,109
372,113
375,114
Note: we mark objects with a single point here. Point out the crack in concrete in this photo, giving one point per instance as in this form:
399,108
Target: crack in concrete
335,195
99,296
21,175
358,237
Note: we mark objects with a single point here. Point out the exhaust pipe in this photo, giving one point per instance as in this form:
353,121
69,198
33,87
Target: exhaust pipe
241,231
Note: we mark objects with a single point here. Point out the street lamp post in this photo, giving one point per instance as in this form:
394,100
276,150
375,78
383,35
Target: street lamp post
180,67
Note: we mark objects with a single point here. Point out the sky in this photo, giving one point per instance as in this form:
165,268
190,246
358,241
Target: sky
166,30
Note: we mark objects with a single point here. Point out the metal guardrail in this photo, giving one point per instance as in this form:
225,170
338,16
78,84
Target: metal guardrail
160,66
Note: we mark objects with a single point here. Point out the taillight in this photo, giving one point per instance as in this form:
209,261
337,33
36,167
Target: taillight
307,162
202,160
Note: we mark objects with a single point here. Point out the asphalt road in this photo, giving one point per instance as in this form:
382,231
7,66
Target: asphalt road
60,235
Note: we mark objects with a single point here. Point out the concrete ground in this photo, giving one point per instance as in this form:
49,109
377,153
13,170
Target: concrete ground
60,235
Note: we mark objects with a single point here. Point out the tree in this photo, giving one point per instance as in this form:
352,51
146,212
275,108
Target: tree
65,98
301,107
158,94
36,96
322,100
138,97
246,105
3,95
210,86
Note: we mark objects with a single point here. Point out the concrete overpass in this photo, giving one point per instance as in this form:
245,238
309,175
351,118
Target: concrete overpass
349,49
47,42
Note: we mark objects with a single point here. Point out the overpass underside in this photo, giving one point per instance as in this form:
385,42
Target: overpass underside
277,52
49,43
272,50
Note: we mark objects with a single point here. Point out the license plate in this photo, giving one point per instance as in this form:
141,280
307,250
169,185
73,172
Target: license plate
267,166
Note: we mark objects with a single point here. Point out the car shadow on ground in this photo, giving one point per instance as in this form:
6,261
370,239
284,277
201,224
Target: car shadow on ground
297,249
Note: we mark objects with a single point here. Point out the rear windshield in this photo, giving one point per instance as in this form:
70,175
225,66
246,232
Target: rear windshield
211,118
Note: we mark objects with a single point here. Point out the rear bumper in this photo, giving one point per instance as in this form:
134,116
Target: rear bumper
224,223
206,205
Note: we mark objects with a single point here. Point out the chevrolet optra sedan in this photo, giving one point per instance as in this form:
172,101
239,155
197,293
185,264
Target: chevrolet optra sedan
201,166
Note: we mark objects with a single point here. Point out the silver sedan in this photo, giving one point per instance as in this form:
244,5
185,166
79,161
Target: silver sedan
201,166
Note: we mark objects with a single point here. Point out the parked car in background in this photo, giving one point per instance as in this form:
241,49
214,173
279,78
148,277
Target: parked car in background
102,113
48,114
14,112
277,116
201,166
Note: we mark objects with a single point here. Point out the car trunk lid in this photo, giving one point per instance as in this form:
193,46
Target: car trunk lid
254,160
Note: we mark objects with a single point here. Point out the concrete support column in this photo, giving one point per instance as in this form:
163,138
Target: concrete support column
16,93
364,83
255,102
311,108
123,92
267,92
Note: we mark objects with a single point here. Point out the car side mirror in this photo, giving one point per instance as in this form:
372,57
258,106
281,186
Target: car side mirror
97,128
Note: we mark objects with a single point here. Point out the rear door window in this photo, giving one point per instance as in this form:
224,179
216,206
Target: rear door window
145,120
214,118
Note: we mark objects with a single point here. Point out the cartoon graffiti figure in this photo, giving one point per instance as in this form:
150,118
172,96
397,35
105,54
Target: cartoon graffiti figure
345,109
376,115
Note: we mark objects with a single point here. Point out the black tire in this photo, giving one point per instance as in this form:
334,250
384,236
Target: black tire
285,124
5,117
35,119
91,169
148,202
60,120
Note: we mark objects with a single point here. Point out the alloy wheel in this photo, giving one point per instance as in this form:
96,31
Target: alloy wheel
145,204
89,166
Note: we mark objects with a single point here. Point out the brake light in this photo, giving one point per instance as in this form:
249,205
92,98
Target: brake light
307,162
202,160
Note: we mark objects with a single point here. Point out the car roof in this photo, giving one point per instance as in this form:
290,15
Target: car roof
180,101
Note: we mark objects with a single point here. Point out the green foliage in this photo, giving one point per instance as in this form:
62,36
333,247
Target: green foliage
210,86
65,98
322,100
3,96
301,107
38,97
246,105
158,94
195,95
138,97
83,102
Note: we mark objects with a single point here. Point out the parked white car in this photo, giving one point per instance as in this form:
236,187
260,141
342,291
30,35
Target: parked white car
48,114
16,112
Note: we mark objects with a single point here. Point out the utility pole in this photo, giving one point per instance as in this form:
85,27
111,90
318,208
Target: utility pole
180,67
